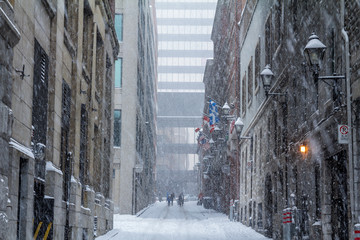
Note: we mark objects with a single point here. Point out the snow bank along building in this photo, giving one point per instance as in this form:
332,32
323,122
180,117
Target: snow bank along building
57,110
287,191
135,106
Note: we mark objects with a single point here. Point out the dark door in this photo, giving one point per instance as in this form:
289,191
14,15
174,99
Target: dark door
268,207
339,203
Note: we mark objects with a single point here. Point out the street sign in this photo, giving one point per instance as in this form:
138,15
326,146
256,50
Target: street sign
343,134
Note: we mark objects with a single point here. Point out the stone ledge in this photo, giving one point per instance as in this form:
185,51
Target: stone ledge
69,44
49,8
8,30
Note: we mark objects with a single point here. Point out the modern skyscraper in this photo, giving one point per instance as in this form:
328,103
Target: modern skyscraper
135,106
184,28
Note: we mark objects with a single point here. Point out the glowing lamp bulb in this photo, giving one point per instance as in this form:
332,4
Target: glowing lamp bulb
302,149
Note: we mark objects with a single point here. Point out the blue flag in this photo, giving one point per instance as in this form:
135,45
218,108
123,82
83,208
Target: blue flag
213,113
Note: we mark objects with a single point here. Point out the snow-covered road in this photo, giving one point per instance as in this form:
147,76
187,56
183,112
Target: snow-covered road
190,222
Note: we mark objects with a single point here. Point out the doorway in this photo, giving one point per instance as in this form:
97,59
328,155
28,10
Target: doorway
339,200
268,207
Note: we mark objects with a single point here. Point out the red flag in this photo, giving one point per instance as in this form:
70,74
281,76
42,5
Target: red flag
206,120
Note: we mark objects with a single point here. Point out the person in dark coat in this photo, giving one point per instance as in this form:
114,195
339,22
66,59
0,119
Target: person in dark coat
172,196
168,198
181,199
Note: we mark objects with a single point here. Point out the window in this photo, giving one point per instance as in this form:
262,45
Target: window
277,35
317,191
259,218
255,153
275,134
40,105
40,94
268,50
250,80
243,94
87,37
65,165
118,73
257,64
119,26
245,168
83,150
117,128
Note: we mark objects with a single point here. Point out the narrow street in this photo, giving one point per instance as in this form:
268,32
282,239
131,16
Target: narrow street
180,223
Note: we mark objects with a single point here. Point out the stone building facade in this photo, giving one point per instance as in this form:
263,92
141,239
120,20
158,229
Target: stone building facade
221,84
316,190
135,100
60,153
9,37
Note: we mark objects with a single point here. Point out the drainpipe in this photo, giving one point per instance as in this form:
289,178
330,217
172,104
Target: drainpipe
353,190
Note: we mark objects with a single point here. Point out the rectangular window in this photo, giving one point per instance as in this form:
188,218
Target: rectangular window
255,153
40,105
277,34
317,192
268,42
118,73
83,150
65,164
250,80
243,93
259,218
257,64
87,37
246,169
117,128
119,26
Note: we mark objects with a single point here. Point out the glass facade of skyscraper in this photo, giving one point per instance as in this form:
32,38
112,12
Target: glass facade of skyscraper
184,44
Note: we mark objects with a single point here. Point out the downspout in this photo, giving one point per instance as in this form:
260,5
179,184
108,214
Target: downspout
349,122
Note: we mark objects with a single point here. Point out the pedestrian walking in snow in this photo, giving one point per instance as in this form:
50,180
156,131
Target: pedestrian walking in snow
181,199
168,198
172,196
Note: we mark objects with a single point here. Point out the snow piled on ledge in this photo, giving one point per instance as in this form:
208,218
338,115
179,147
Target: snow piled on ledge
18,146
50,167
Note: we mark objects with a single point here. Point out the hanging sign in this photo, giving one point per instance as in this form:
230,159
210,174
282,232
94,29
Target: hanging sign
343,134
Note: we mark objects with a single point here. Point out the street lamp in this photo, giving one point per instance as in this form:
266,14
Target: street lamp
211,141
266,77
226,109
314,52
239,125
